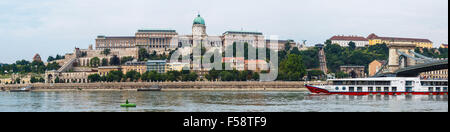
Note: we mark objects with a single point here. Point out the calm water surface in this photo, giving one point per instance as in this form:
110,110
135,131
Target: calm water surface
109,101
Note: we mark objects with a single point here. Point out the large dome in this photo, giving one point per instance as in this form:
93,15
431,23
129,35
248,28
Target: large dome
199,20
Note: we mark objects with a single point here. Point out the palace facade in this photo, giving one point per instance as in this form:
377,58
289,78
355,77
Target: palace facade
164,40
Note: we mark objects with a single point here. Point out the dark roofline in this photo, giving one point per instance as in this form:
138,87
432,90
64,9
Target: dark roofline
243,32
157,31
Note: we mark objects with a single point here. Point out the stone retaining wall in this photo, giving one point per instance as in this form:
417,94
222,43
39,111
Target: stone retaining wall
163,85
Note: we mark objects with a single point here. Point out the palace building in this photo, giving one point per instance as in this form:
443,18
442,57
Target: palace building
421,43
164,40
344,41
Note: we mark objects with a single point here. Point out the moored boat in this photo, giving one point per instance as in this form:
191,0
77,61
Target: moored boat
382,86
24,89
153,88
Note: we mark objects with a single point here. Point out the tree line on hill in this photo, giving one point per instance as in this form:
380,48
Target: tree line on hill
24,67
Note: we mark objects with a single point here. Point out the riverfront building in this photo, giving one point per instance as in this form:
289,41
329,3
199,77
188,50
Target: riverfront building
421,43
140,67
375,66
157,65
444,46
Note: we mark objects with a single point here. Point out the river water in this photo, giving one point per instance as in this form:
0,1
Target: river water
109,101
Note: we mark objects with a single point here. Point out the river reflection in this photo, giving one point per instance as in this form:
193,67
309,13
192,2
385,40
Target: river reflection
101,101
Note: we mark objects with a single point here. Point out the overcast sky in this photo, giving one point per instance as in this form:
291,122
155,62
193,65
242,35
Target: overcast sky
51,27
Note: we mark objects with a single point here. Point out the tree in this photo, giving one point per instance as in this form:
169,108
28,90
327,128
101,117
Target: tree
126,59
53,66
352,45
328,42
255,76
17,81
33,80
213,75
50,58
287,46
94,78
226,76
143,54
104,62
293,67
114,61
173,76
132,75
106,52
95,62
342,75
114,76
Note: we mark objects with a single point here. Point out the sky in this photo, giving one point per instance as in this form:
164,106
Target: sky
50,27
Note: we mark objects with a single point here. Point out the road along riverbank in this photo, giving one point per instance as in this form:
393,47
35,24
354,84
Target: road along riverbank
167,86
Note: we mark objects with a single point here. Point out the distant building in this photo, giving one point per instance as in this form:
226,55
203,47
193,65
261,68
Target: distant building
444,46
156,65
343,41
375,66
256,65
105,70
354,71
140,67
255,39
281,45
237,63
421,43
438,74
37,58
176,66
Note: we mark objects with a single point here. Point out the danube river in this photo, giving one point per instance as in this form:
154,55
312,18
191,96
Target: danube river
189,101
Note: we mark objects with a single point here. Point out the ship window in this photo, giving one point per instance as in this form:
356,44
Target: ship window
337,88
438,89
337,82
430,89
445,89
378,89
360,89
394,89
409,89
409,83
386,89
344,88
370,89
371,83
351,89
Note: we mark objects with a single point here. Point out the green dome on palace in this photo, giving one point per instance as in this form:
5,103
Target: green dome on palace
199,20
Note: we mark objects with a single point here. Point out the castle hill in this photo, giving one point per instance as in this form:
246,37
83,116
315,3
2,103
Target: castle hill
235,60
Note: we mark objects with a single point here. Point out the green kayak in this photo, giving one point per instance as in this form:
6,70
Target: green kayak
127,104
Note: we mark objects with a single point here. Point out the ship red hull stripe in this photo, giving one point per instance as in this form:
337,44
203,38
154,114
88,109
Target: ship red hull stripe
313,89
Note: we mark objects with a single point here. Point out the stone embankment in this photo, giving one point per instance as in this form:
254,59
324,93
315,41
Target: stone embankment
167,86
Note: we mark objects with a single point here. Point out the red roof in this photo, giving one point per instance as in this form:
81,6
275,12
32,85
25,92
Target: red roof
349,38
373,36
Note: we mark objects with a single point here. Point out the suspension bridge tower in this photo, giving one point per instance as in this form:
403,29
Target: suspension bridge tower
398,60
